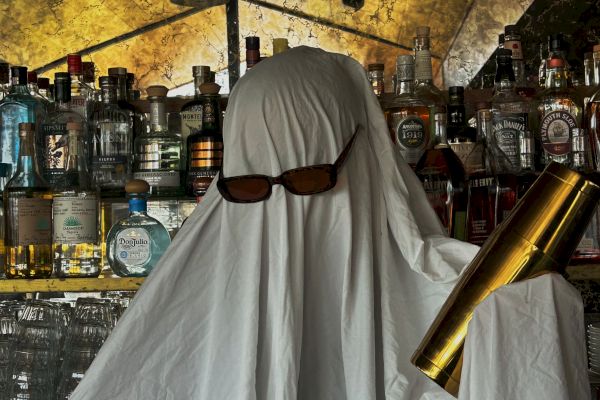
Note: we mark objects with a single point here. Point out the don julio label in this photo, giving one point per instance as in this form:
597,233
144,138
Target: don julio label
133,246
555,130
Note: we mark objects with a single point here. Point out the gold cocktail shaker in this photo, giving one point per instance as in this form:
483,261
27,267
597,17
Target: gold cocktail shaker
540,234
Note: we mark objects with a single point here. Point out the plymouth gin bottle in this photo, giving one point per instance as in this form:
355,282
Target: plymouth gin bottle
406,115
158,152
136,243
111,142
53,139
28,215
75,241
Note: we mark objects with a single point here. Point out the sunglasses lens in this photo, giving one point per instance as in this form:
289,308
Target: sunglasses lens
247,189
309,180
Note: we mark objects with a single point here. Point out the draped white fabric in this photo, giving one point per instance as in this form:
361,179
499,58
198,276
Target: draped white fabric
527,341
298,297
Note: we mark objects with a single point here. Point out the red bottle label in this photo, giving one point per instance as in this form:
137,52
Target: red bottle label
555,130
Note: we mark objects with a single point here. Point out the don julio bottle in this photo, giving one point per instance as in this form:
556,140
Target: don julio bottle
136,243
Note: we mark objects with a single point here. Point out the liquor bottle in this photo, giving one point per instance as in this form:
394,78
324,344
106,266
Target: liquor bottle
252,51
443,178
406,115
52,142
205,147
82,96
4,80
425,90
509,110
191,112
158,153
44,86
512,42
280,45
559,113
18,106
136,243
89,78
75,243
138,119
375,75
501,41
28,215
461,136
111,142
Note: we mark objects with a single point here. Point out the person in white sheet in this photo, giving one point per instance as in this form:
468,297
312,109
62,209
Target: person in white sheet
286,296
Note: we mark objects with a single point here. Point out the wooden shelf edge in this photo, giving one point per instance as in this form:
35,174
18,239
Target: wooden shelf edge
584,272
69,285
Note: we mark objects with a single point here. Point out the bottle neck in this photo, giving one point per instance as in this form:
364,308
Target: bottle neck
158,116
138,205
75,159
26,164
557,78
441,136
505,76
210,113
405,87
198,80
423,70
122,88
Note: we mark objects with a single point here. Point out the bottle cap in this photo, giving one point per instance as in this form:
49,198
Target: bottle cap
501,39
107,80
62,86
32,77
280,45
73,126
117,71
137,186
209,88
4,73
19,75
25,127
423,31
511,30
74,64
157,91
43,83
376,67
252,43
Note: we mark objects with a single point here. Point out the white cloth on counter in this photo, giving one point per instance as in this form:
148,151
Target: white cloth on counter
321,297
526,341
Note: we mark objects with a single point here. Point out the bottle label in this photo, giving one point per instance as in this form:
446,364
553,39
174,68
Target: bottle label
410,132
78,104
555,130
465,149
423,69
209,113
55,153
117,164
439,195
35,221
133,247
508,130
160,178
191,122
515,46
75,220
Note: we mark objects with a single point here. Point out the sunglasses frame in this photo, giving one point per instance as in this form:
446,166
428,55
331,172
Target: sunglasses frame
332,169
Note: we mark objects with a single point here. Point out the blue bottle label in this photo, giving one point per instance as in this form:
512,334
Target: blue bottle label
133,247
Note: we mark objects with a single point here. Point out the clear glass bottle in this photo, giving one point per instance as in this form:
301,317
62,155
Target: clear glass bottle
75,242
136,243
138,118
52,143
375,74
425,90
559,113
111,142
205,147
158,153
82,95
512,42
191,112
4,80
407,116
443,177
28,215
18,106
509,110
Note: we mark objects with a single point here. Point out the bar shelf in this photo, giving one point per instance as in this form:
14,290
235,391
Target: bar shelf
69,285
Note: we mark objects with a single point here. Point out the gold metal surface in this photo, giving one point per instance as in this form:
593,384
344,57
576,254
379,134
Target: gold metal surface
541,233
69,285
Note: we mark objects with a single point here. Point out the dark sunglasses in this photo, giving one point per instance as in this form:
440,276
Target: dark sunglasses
300,181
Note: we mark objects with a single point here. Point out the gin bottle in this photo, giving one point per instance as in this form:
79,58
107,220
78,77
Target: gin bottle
158,152
111,142
75,214
205,147
52,145
136,243
28,215
18,106
406,115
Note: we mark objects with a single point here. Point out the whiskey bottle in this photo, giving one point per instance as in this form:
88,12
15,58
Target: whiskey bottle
443,178
205,147
559,113
28,215
407,116
75,242
136,243
53,139
158,152
191,112
111,142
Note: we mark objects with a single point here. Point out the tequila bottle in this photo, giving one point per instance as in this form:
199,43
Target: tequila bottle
136,243
28,215
53,139
75,241
18,106
138,119
406,115
158,153
205,147
111,142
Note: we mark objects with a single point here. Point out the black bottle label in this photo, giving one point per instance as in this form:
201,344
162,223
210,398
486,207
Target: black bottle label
555,130
508,129
410,132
